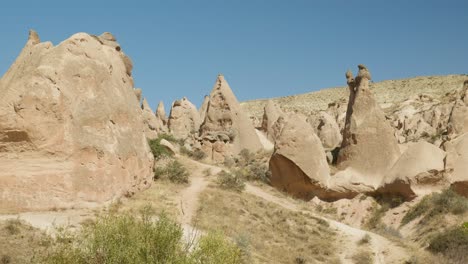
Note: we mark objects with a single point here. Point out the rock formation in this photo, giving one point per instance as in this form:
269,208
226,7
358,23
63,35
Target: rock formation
184,119
203,107
327,130
298,165
161,118
418,171
226,130
458,123
270,115
71,132
138,93
369,147
457,163
150,120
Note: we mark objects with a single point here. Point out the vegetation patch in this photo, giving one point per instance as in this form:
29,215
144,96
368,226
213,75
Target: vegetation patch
452,243
230,181
159,151
363,257
437,204
131,239
173,171
196,154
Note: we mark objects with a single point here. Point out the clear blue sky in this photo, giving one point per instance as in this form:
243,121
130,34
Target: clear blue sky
264,48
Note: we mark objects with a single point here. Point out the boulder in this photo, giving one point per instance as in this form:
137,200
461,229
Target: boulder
169,146
225,118
271,113
327,130
184,119
71,131
298,165
150,120
417,172
369,146
457,163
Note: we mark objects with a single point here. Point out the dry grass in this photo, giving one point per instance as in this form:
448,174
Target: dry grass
20,243
162,196
270,232
363,257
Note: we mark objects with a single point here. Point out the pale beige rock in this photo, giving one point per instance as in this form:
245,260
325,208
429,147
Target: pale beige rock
168,145
270,115
224,116
457,163
150,120
184,119
71,132
327,130
298,165
204,107
138,94
368,146
458,123
161,118
417,172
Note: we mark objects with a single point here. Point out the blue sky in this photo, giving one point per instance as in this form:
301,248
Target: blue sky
265,48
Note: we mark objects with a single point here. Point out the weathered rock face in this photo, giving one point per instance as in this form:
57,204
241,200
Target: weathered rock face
368,147
150,120
203,107
184,119
270,115
71,132
459,116
161,119
298,164
327,130
418,171
226,130
457,163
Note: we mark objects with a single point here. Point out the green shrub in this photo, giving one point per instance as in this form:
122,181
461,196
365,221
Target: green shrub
159,151
437,204
452,243
137,239
214,249
196,154
376,217
230,181
173,171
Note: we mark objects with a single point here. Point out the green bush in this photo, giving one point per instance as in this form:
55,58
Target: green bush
230,181
196,154
137,239
173,171
452,243
437,204
159,151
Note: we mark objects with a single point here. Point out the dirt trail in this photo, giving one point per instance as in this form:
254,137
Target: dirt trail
384,250
188,200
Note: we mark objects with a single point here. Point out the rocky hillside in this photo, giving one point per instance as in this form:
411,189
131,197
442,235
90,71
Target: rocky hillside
387,93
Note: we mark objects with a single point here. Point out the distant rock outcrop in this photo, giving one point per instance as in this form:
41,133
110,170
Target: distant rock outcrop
270,115
150,120
161,118
369,147
203,107
458,123
71,131
457,163
226,130
184,119
298,165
